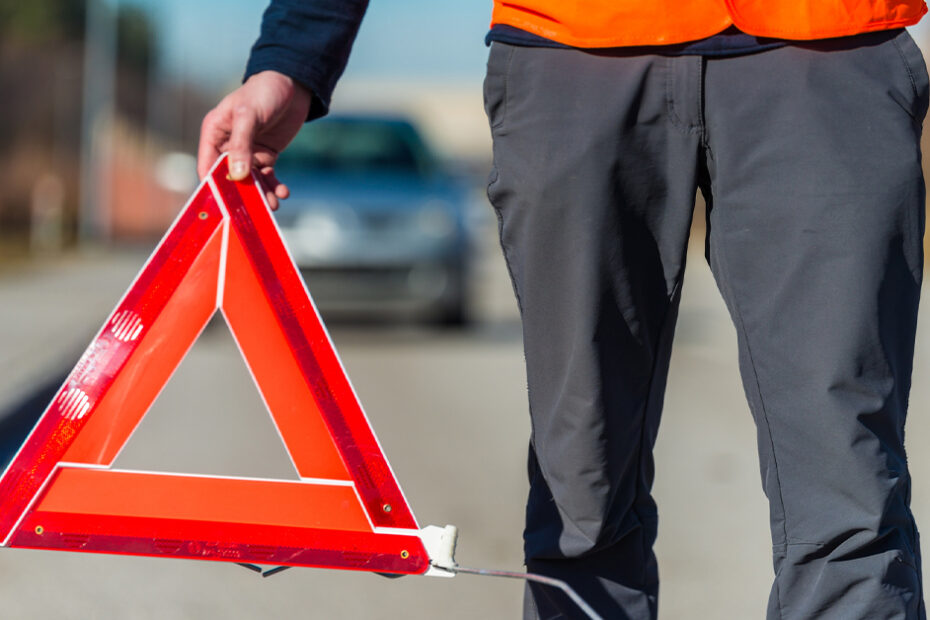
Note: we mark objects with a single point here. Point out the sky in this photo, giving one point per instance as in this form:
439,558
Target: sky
209,40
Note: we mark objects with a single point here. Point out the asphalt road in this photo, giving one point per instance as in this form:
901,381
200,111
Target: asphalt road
449,408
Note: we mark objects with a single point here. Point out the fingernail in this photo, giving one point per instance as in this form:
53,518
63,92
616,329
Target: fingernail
238,170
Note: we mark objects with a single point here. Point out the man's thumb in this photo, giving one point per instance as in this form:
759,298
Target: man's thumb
240,142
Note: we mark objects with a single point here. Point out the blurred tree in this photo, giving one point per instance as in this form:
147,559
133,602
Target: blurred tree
41,53
41,21
135,38
135,49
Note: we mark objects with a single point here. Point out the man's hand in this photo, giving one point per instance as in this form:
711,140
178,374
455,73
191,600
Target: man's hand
254,123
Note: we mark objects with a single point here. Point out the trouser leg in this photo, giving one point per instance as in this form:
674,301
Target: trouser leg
595,164
816,221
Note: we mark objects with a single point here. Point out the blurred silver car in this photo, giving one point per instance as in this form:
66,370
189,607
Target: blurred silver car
374,222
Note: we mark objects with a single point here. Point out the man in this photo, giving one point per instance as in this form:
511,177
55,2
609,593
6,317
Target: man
800,123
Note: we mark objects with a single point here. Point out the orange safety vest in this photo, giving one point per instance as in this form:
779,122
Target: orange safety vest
616,23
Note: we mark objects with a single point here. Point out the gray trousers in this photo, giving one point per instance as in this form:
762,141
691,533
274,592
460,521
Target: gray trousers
808,158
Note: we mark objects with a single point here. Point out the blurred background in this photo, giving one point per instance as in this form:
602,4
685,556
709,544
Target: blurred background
99,117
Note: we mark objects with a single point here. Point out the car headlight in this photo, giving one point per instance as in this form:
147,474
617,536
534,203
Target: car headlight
317,232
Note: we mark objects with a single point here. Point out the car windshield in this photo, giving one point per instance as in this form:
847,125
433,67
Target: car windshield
357,146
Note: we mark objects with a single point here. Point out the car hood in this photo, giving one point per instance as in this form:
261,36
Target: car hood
366,193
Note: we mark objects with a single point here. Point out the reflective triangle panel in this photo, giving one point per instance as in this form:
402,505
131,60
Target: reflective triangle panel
223,253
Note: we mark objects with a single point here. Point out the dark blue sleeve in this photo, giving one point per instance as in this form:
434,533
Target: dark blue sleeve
309,41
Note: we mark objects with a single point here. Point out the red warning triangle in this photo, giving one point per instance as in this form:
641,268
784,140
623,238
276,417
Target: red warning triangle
346,510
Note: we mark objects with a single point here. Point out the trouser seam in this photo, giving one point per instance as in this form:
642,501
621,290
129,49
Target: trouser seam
495,173
740,325
647,407
516,291
507,260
